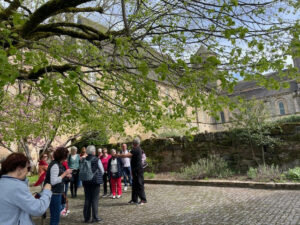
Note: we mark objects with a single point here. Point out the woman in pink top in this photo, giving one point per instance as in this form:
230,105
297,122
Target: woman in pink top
104,159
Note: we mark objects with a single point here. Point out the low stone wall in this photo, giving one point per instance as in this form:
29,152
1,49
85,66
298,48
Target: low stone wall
174,153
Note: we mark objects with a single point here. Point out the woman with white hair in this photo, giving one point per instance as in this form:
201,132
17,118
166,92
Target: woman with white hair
73,162
92,187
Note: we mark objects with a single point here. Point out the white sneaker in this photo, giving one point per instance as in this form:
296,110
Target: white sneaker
125,188
113,196
118,196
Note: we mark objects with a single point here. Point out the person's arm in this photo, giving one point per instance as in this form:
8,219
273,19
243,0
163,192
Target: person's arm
54,178
27,203
128,155
100,166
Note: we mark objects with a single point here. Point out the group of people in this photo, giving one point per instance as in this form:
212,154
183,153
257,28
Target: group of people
17,204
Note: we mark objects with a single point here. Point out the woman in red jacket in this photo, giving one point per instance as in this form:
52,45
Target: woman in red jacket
43,166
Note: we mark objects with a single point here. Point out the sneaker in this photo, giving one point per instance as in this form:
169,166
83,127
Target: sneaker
63,212
113,196
142,202
132,202
119,196
67,212
125,188
110,195
104,196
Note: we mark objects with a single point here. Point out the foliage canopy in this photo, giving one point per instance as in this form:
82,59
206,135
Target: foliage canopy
139,44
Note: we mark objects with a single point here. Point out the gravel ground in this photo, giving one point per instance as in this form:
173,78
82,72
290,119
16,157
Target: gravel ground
172,204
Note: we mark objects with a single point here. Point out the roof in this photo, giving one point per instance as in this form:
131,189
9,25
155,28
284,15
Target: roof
250,89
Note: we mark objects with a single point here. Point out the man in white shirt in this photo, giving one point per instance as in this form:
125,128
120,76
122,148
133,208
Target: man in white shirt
126,168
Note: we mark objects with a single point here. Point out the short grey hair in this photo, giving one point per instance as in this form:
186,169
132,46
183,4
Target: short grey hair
136,141
113,151
90,149
99,149
73,148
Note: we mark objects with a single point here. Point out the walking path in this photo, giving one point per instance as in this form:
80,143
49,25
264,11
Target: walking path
174,204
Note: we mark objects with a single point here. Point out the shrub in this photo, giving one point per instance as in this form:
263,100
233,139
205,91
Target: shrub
265,173
293,174
252,173
289,119
213,166
149,175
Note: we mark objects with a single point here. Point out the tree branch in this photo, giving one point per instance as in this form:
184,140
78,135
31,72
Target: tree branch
53,68
77,10
50,27
124,17
47,10
4,146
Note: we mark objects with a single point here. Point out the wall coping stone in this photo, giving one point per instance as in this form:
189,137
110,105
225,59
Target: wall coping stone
226,183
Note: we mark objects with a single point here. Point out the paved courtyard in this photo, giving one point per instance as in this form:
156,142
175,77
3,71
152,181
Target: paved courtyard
170,204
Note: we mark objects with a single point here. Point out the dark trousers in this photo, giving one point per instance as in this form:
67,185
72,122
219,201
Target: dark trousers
127,176
74,184
91,194
138,186
105,179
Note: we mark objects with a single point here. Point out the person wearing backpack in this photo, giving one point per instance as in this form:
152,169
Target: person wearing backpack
136,155
91,172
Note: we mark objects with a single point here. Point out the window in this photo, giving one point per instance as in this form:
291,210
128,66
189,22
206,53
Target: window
222,117
281,108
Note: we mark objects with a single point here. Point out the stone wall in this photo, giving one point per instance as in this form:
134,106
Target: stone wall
174,153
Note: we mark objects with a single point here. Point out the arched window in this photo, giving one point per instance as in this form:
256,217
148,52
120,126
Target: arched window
281,108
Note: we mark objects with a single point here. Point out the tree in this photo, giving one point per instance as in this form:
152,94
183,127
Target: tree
143,43
250,125
35,123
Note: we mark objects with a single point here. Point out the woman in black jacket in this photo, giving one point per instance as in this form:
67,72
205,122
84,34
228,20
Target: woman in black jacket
114,170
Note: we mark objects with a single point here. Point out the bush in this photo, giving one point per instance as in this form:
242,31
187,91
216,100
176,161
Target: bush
149,175
252,173
265,173
289,119
293,174
213,166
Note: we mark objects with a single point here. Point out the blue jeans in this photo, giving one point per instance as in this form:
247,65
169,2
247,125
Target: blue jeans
55,208
127,175
66,188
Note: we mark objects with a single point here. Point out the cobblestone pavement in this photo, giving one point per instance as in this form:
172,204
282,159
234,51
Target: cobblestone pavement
168,204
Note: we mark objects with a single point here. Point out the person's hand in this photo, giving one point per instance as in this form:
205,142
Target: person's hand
69,176
68,171
47,187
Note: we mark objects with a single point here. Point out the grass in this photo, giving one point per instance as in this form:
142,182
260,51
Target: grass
32,179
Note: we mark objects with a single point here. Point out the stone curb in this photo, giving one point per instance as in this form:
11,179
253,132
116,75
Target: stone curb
223,183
